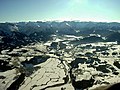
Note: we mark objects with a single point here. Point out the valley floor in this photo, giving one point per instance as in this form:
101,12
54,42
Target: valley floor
55,65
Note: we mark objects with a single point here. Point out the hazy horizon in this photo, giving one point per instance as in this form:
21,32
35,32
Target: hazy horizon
63,10
58,21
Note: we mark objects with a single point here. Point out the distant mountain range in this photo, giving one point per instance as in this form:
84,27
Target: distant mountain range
22,33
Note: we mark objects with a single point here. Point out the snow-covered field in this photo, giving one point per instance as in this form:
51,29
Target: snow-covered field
47,68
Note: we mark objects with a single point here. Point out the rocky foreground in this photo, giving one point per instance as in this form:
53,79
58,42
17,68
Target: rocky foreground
68,55
56,66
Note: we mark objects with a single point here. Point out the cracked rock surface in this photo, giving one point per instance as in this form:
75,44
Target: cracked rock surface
74,67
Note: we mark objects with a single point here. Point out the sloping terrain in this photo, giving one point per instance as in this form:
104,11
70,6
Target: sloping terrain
56,56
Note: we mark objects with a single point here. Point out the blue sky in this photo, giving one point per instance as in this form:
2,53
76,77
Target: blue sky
35,10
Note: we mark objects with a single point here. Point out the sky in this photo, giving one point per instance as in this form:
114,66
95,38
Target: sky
47,10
